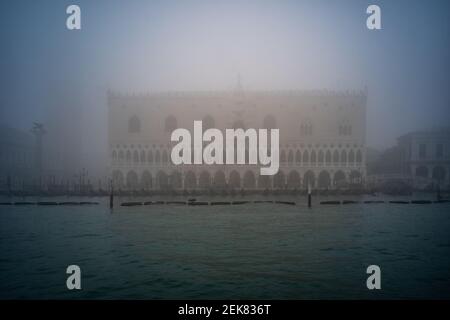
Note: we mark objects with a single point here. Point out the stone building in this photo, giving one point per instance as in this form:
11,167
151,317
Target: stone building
322,138
426,157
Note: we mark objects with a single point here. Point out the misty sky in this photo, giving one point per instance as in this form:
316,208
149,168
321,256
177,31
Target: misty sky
202,45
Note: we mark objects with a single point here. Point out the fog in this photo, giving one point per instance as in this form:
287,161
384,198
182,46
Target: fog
60,77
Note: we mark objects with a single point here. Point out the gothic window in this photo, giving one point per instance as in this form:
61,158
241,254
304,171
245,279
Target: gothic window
171,123
291,157
298,156
313,157
134,125
345,130
358,156
306,129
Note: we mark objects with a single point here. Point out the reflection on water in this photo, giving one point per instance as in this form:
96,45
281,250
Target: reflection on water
246,251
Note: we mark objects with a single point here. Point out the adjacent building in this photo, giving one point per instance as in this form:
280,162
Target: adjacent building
425,157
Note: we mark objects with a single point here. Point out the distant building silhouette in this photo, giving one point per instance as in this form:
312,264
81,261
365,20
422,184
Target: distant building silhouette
16,158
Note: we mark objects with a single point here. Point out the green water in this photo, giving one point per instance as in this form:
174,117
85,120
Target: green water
250,251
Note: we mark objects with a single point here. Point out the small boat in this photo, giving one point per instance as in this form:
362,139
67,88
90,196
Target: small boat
198,203
131,204
421,201
330,202
292,203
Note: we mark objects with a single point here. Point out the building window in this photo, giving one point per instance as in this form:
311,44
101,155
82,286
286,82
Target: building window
422,150
439,151
171,124
306,129
345,130
134,125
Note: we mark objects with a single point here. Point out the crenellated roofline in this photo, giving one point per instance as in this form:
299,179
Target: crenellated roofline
242,94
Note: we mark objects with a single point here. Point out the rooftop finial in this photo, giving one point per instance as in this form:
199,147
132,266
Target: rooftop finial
239,83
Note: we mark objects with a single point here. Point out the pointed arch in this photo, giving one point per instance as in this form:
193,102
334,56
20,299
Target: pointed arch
358,156
339,179
291,157
328,158
298,157
163,180
293,181
146,180
320,157
324,180
344,157
279,180
234,180
336,157
264,182
313,158
306,157
219,179
204,180
176,181
249,180
309,179
351,157
132,180
117,179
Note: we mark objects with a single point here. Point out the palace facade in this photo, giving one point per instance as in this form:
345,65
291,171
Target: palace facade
322,138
